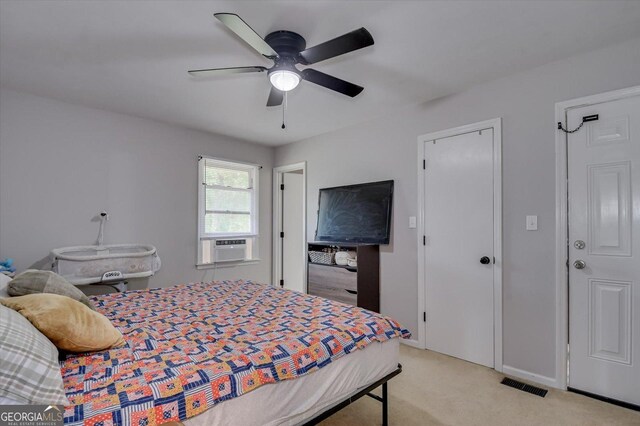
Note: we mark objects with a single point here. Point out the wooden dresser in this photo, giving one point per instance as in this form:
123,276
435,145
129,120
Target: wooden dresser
358,286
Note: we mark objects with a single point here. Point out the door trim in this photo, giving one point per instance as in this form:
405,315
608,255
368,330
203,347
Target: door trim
278,173
562,235
496,125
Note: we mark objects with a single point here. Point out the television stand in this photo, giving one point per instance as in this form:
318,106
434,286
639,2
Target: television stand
358,286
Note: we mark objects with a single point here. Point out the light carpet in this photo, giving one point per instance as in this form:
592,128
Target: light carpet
435,389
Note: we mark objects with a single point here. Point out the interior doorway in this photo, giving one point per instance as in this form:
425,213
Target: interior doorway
290,227
460,242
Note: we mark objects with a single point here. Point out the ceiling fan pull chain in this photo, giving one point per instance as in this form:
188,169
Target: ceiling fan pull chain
284,107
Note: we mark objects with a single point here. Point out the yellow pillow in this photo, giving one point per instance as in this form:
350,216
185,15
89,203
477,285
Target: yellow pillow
69,324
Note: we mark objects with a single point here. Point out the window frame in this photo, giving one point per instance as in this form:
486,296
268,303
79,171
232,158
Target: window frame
254,176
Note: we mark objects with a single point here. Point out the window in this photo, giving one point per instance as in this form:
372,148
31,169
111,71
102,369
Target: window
227,208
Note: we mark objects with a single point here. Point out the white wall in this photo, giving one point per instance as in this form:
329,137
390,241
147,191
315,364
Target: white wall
386,148
61,164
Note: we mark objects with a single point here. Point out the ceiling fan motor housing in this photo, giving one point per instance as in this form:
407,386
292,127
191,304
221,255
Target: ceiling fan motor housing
287,43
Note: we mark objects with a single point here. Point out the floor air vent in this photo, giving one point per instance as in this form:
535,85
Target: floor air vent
524,387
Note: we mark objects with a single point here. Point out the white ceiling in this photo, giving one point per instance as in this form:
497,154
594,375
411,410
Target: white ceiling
132,56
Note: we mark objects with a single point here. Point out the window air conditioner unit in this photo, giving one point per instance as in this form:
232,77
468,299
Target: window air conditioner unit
230,251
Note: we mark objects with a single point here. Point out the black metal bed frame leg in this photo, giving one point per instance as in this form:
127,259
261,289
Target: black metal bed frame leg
384,399
385,405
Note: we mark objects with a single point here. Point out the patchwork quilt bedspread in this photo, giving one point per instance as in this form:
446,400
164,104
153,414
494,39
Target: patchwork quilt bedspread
192,346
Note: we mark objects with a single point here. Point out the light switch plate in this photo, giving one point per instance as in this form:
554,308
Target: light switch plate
532,223
412,222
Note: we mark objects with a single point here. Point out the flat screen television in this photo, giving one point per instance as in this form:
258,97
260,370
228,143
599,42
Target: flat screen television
356,213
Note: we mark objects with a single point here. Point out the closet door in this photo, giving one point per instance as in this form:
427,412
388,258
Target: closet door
459,235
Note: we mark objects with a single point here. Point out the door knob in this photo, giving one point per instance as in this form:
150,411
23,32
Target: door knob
579,264
485,260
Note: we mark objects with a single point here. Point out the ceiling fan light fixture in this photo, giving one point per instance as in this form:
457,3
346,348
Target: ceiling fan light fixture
284,80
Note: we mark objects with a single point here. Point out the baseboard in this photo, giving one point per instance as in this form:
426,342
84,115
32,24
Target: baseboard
532,377
411,342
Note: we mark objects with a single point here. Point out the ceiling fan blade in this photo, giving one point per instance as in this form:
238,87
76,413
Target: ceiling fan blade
275,97
246,33
330,82
338,46
224,71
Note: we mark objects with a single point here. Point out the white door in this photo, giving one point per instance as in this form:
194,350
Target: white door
459,230
604,250
293,250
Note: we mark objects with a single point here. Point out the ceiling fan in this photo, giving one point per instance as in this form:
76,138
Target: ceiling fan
288,49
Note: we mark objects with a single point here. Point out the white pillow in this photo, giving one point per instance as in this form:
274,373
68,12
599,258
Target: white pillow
4,280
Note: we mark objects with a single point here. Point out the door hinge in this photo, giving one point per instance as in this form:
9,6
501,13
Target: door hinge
281,283
424,317
424,164
424,240
282,235
282,186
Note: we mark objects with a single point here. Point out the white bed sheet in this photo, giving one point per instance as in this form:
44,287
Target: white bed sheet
292,402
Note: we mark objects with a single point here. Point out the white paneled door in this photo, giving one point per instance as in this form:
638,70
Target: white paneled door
604,250
459,246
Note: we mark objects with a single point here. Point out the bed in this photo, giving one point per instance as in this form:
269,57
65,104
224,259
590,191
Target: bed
229,352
